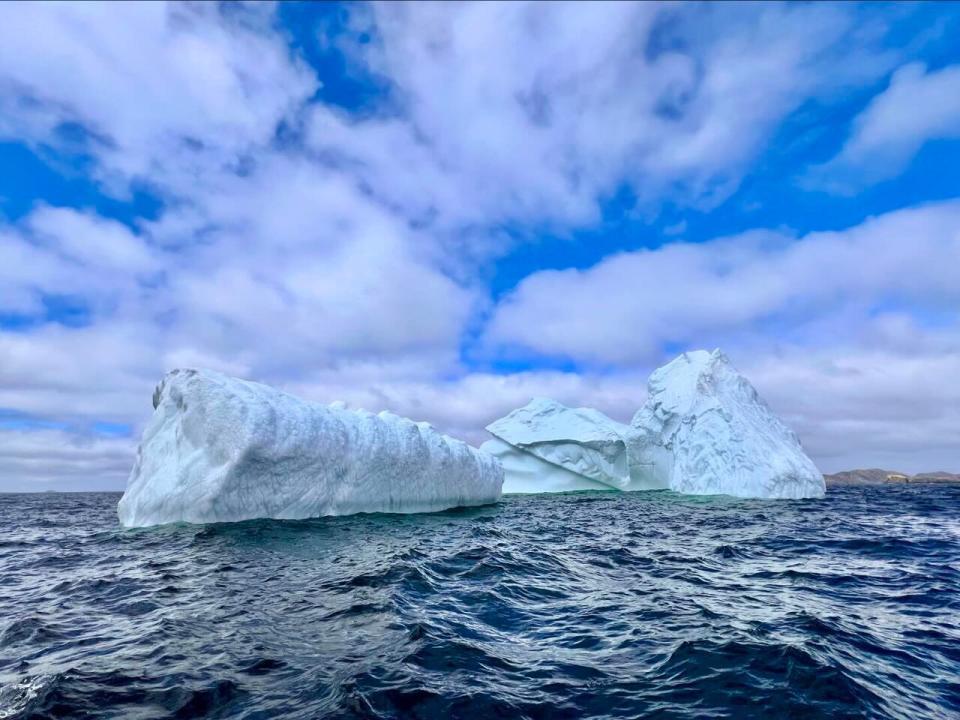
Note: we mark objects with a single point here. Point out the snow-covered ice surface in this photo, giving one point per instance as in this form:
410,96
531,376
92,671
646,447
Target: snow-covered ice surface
703,431
218,449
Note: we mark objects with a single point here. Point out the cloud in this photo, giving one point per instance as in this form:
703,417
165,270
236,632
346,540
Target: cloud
627,307
859,405
918,105
157,88
343,253
103,371
320,292
66,253
537,112
36,460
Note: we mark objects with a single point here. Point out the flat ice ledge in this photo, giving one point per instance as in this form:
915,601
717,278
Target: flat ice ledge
219,449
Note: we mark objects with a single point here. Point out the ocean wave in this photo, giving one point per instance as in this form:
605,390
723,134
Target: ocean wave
576,605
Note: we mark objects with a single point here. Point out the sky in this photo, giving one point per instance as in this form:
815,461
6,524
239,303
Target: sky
446,209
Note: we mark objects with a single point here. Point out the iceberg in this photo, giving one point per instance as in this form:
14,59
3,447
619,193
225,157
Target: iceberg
703,430
219,449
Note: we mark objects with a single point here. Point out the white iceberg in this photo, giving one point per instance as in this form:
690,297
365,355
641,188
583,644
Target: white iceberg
218,449
703,431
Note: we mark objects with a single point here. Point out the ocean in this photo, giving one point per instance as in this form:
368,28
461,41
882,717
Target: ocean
599,605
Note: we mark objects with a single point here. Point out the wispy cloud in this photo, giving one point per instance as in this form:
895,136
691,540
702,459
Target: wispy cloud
918,106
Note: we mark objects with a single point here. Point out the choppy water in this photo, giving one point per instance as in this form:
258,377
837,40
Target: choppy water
580,605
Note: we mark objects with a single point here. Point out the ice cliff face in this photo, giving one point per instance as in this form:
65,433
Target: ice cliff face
218,449
703,431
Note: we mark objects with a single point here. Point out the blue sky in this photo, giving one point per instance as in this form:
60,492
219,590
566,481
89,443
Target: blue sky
444,210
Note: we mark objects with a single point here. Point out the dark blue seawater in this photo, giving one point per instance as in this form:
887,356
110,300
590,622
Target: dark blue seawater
578,605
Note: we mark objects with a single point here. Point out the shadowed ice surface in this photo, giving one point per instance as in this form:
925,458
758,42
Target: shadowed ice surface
576,605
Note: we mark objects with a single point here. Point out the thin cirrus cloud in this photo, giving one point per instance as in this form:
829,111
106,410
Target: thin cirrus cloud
344,250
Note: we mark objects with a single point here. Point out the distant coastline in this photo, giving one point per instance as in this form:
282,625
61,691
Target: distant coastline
876,476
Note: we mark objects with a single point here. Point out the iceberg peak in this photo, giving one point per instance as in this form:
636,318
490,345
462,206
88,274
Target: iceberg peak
704,430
